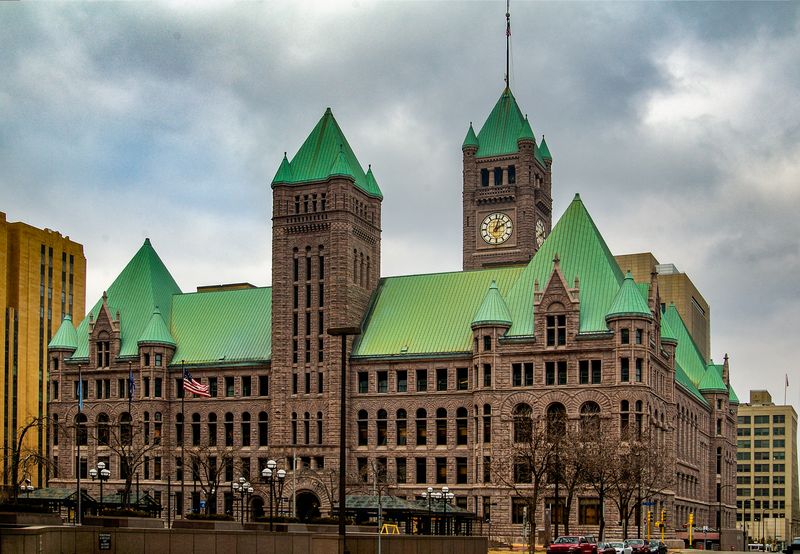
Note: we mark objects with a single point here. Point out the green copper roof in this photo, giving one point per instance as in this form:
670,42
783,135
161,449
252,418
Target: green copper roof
525,132
65,338
687,354
372,184
628,301
230,326
712,380
544,151
143,283
470,140
340,166
317,159
156,331
732,398
493,310
502,128
427,314
584,254
667,334
683,380
284,174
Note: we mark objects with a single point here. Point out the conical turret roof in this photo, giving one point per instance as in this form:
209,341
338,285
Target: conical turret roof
340,166
156,331
318,157
493,309
712,381
502,128
66,338
628,301
525,132
544,151
471,140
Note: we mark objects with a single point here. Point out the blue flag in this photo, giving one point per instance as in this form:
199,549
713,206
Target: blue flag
131,384
80,395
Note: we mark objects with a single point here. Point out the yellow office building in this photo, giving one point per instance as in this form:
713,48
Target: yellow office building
766,476
42,279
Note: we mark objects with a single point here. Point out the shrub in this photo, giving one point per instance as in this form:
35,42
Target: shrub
210,517
124,512
24,508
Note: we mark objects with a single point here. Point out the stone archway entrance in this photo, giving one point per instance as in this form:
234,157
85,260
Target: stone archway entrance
307,506
256,508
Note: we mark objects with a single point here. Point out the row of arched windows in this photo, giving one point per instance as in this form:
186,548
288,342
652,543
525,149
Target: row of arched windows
103,429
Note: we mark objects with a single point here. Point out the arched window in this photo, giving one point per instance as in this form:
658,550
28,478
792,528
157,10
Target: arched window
319,427
146,426
80,429
402,427
487,423
590,420
461,426
441,426
556,420
380,427
245,425
212,429
157,423
263,429
363,433
125,430
422,427
195,429
103,433
228,429
624,419
523,423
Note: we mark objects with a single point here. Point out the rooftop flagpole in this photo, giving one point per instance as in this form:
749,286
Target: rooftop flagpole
508,41
183,432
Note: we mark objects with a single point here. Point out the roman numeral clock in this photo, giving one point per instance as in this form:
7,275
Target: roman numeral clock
496,228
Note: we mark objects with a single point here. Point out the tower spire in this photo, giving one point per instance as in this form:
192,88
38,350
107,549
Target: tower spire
508,38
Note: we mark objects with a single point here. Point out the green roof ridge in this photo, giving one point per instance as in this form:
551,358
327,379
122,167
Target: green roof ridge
156,331
318,156
284,174
143,283
628,301
732,397
667,334
584,254
683,379
493,310
471,140
525,132
712,380
66,338
544,151
686,353
499,133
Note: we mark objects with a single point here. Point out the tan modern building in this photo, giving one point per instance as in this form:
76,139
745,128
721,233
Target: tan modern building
766,477
675,288
42,278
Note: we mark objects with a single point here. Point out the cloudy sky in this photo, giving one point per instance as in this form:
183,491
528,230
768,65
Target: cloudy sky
678,123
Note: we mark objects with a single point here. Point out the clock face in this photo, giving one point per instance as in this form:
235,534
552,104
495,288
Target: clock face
496,228
540,233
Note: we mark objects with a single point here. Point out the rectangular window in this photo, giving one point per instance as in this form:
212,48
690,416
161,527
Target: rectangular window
441,470
779,443
487,343
624,370
307,383
320,382
294,383
212,386
588,511
597,372
422,470
145,388
263,385
441,379
639,364
779,431
742,419
422,380
487,469
759,419
462,378
461,470
402,380
625,335
518,509
516,375
778,418
158,360
549,373
583,372
562,372
639,336
157,393
383,381
556,330
246,390
487,375
400,467
363,382
229,386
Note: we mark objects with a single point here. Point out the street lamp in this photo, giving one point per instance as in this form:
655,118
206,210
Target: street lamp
100,472
268,475
212,497
27,488
446,497
343,332
244,489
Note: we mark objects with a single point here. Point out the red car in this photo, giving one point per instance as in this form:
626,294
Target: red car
573,544
638,546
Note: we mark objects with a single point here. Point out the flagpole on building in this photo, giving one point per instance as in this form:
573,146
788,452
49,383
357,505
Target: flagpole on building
78,518
183,433
508,41
785,387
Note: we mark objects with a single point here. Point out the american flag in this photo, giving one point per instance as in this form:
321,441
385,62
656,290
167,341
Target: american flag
194,386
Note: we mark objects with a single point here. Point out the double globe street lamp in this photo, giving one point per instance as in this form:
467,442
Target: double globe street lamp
244,489
444,496
26,487
100,472
269,475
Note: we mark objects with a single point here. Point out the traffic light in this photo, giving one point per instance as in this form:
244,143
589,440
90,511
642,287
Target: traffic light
649,516
663,516
691,518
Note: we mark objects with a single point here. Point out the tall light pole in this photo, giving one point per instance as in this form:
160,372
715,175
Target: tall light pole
100,472
244,489
268,474
343,332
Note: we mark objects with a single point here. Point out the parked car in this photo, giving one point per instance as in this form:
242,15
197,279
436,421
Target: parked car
793,547
657,547
620,547
573,544
606,548
638,546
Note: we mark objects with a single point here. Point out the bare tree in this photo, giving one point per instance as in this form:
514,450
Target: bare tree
24,457
325,482
599,455
208,465
571,467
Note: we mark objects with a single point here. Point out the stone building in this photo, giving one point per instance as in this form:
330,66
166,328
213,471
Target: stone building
542,321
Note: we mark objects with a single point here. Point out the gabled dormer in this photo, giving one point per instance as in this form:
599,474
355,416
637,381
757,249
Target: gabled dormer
104,336
556,309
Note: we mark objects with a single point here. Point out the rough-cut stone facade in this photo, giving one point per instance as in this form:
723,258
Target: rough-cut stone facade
326,268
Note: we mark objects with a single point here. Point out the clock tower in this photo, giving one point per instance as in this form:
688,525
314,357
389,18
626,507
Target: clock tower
506,196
